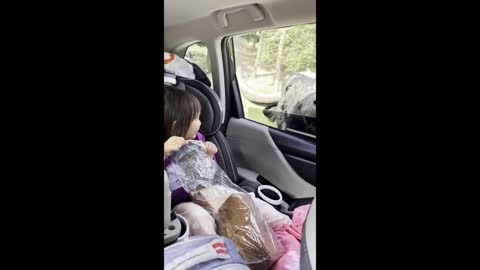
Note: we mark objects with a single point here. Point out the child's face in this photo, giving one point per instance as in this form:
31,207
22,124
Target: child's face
193,129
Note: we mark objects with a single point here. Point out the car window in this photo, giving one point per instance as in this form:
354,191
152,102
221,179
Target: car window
198,54
276,74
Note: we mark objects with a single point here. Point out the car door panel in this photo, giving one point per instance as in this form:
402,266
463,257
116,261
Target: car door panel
306,169
254,149
290,144
299,152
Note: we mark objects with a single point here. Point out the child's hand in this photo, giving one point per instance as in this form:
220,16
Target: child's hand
210,148
172,144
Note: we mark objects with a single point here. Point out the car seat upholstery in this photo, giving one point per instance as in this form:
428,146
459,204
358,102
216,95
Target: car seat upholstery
308,259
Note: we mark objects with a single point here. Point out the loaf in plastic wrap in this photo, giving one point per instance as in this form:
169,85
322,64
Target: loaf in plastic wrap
232,208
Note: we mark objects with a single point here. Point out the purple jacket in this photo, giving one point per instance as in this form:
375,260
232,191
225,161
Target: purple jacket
179,194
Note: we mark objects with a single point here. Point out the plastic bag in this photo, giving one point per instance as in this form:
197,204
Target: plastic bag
233,209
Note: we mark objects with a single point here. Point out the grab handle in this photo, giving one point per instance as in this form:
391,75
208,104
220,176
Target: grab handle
255,13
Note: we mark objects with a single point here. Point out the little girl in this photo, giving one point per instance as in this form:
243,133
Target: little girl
181,119
182,122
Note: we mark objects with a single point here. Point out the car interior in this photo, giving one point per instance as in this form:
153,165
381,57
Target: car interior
250,152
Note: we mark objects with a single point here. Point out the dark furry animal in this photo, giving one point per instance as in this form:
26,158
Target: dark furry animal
297,107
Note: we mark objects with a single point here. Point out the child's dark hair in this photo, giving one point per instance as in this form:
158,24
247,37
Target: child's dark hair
180,107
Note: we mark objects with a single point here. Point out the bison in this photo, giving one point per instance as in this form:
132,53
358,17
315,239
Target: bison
297,107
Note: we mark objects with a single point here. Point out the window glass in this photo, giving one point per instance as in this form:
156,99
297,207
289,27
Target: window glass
198,54
276,72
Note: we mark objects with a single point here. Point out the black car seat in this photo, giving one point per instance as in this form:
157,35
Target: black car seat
211,118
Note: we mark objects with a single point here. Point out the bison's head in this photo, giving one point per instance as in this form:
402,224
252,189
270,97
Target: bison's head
308,105
298,98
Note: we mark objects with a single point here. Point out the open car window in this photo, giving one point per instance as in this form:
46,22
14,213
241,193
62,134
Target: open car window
276,74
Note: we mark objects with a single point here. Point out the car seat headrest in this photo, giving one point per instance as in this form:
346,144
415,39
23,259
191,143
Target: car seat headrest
212,114
173,64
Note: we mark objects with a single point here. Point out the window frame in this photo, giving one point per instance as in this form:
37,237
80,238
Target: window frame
228,56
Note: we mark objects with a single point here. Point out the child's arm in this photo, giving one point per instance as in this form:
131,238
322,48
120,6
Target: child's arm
210,149
172,144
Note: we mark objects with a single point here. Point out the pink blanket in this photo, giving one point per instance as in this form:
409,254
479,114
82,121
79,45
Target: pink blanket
290,237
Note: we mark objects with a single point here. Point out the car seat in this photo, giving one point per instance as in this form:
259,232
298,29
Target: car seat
190,77
211,118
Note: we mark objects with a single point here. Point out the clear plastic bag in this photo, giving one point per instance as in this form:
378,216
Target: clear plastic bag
232,208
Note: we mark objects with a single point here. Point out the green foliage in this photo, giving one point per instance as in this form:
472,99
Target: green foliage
198,54
298,50
251,37
297,55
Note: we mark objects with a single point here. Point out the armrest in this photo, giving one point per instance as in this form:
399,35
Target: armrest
299,202
246,174
248,180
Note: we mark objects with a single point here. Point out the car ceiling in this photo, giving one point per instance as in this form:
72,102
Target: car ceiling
182,11
187,20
